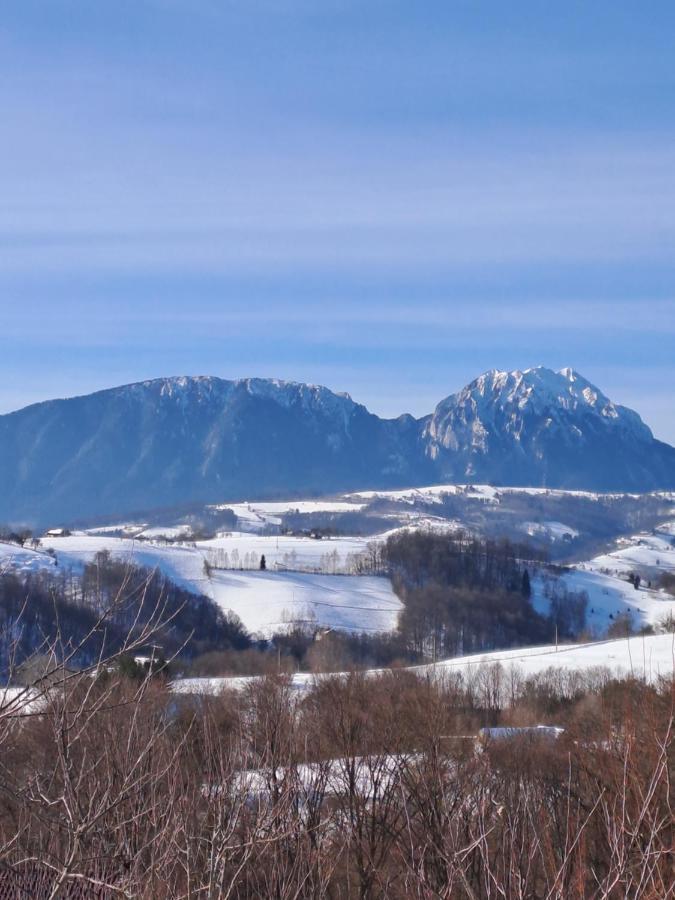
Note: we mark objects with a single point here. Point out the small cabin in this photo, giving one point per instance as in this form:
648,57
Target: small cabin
57,533
150,658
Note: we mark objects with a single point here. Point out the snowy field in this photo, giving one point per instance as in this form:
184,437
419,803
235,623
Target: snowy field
258,516
552,531
605,580
263,600
647,658
608,597
431,494
268,601
646,553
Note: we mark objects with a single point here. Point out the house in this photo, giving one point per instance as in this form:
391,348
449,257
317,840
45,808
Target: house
529,733
150,659
57,533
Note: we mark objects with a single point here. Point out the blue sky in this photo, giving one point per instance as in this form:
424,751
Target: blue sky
384,197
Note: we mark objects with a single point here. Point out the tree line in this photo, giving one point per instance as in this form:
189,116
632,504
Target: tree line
463,594
93,615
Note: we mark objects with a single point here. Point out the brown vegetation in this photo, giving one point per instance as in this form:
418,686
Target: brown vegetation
360,787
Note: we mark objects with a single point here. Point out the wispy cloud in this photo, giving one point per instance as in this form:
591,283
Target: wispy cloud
383,196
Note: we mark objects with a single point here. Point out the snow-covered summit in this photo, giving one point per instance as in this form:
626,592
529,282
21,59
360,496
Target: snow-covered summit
539,426
508,402
309,396
189,393
208,387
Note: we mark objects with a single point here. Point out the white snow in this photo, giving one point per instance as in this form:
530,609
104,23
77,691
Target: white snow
307,506
270,601
552,531
262,599
667,528
128,529
22,558
430,494
647,658
170,532
256,516
20,701
650,552
558,492
643,657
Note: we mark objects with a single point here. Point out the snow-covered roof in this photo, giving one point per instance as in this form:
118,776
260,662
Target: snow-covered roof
550,732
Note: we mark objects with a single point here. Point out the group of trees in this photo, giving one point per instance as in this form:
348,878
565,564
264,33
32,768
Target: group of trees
567,608
358,787
463,593
459,559
325,650
20,536
220,558
331,562
93,615
305,647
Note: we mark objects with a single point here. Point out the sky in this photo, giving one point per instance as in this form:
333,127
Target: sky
385,197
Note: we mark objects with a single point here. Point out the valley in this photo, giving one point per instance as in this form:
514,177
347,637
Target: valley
317,576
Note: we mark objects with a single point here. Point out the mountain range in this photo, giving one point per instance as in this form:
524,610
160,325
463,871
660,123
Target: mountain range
177,441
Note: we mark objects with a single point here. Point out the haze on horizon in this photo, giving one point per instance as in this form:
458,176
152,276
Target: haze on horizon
385,198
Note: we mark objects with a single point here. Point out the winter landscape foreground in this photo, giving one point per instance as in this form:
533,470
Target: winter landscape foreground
455,689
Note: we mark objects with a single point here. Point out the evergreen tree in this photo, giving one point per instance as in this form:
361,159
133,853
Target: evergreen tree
263,563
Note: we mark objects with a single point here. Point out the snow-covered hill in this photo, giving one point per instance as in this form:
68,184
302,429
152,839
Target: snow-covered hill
293,588
313,579
648,658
